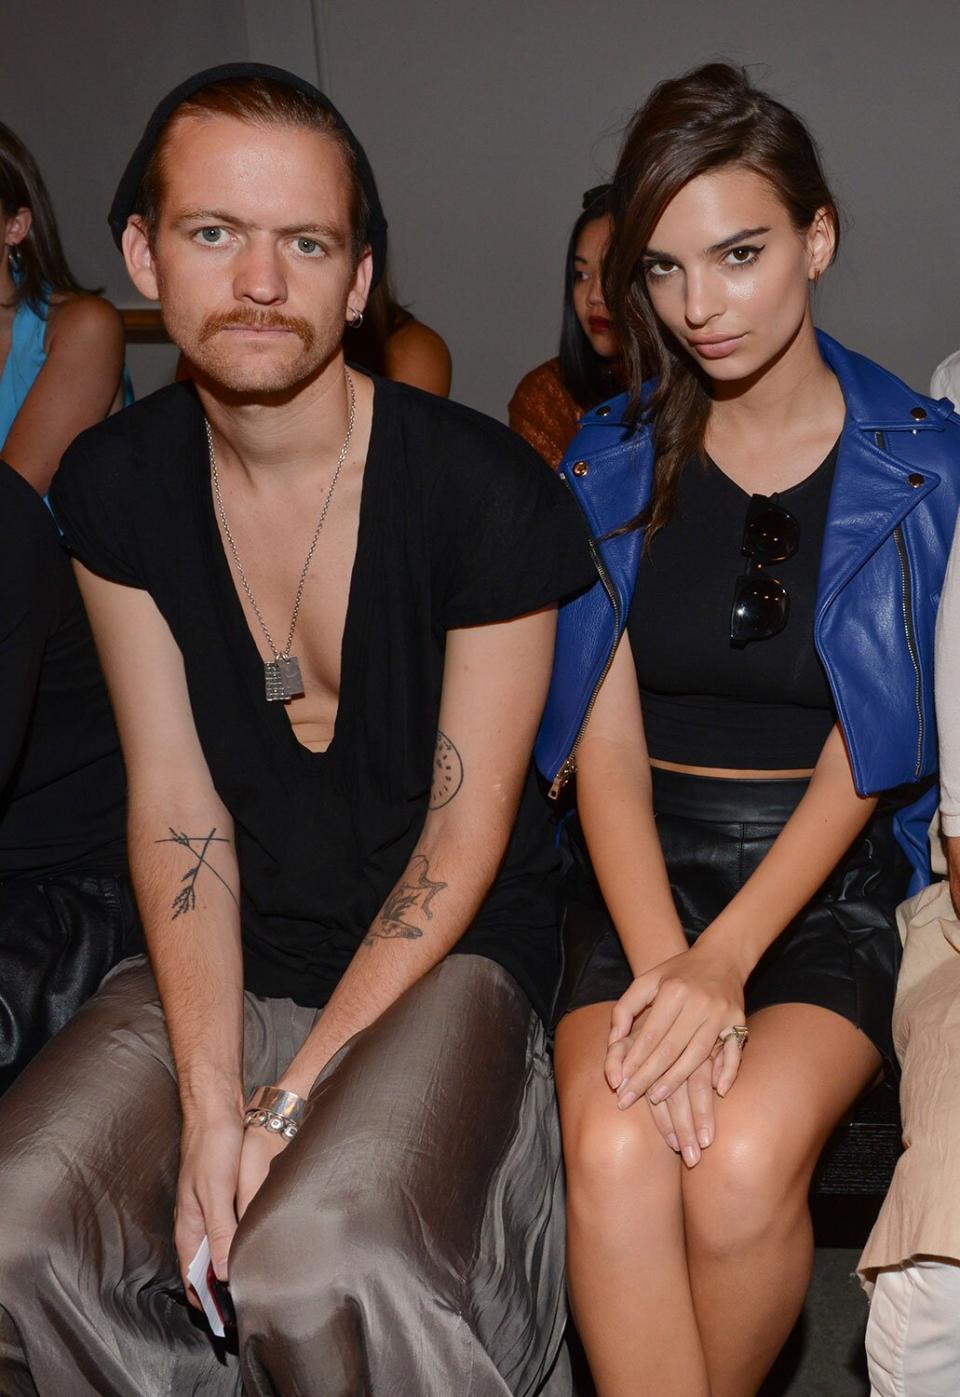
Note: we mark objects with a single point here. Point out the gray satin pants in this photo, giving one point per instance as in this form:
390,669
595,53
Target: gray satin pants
408,1242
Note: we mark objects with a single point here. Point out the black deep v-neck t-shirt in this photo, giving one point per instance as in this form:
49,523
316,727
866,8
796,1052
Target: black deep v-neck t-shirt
460,524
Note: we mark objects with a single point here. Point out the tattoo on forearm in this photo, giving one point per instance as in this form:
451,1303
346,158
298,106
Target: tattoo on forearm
186,899
447,772
415,891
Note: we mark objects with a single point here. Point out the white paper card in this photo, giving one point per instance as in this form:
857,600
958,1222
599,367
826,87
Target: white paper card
197,1276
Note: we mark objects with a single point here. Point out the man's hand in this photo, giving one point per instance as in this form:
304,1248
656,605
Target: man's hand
260,1148
206,1189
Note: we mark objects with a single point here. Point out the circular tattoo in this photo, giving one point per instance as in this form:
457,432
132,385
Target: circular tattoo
447,772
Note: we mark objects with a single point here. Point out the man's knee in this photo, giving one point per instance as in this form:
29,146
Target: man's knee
311,1256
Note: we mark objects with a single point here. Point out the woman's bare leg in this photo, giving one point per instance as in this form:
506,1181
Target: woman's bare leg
748,1229
626,1264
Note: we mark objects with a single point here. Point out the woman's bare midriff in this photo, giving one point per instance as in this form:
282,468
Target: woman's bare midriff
731,773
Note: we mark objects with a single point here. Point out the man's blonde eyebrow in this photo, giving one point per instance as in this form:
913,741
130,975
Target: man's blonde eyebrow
216,217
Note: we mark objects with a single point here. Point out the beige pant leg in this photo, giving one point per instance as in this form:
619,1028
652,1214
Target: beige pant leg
409,1241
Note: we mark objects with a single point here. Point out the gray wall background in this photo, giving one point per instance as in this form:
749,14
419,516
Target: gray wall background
486,119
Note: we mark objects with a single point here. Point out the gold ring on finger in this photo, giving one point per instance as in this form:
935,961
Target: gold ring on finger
740,1032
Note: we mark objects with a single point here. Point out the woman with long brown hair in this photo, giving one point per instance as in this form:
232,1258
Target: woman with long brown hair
61,347
739,696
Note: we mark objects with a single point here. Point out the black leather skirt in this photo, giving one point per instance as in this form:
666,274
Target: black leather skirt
842,951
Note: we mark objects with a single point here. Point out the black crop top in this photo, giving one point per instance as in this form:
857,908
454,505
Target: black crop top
706,703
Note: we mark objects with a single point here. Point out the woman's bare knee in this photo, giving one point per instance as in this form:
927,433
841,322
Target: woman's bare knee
749,1186
612,1157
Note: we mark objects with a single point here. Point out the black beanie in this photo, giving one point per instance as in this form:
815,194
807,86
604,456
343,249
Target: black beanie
126,201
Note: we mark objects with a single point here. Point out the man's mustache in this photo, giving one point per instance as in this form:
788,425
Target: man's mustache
257,320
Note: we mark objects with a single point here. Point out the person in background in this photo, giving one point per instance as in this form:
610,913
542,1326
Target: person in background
946,379
548,402
66,908
61,347
388,340
747,700
911,1263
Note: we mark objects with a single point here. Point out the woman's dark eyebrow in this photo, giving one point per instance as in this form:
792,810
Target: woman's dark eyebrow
737,238
656,255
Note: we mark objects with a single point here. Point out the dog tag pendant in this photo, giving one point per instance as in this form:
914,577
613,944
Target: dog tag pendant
282,679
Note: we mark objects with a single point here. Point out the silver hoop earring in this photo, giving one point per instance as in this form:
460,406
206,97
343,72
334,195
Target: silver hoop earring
357,320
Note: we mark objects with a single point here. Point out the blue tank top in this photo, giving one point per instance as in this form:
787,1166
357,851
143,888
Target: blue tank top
26,358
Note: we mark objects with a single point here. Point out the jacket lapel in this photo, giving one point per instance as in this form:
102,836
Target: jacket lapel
872,493
874,488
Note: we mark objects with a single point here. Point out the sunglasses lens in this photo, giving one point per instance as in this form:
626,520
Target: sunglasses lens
771,536
760,606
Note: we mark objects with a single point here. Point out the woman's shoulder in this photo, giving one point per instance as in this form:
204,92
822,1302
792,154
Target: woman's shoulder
91,320
417,355
543,380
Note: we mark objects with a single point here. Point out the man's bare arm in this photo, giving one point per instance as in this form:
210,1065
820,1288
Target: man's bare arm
494,686
184,869
180,838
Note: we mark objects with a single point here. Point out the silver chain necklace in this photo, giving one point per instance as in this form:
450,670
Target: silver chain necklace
282,678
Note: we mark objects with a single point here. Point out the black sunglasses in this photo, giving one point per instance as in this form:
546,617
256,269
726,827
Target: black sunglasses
761,604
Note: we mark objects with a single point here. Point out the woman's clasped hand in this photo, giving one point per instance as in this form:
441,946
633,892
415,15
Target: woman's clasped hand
665,1041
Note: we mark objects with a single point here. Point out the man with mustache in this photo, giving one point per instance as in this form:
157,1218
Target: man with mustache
325,606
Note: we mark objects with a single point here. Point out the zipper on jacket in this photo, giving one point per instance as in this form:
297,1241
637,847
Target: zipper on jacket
907,608
569,766
911,640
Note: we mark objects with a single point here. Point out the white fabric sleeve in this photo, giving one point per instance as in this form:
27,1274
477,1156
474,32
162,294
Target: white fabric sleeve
946,380
947,684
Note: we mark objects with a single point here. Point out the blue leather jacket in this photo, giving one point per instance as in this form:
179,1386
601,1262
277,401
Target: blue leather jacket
893,507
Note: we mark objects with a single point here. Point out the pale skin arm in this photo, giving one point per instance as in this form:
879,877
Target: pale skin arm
614,802
699,994
952,850
494,685
417,355
184,869
946,673
75,388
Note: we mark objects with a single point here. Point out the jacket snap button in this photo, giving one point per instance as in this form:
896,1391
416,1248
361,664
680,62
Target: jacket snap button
580,468
913,480
603,412
918,413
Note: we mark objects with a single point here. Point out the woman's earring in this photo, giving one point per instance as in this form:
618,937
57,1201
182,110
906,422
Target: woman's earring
816,278
15,257
357,320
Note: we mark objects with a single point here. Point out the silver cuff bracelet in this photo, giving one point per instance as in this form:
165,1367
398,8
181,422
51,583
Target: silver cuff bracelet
278,1111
